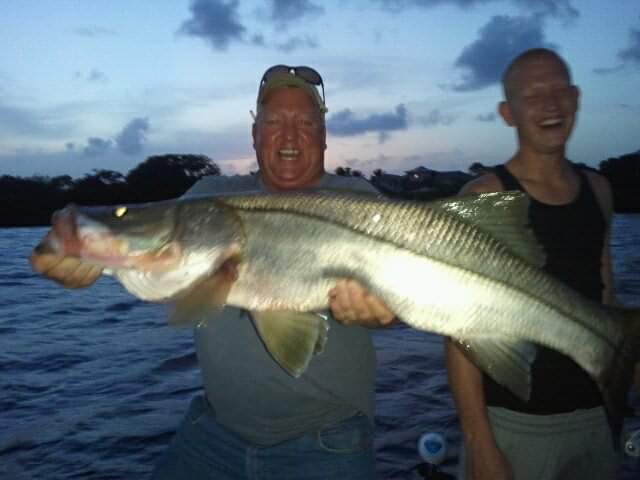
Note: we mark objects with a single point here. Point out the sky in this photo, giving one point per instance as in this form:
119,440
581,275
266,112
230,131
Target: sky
103,84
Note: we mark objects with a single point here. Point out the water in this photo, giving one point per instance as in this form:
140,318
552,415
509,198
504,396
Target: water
93,382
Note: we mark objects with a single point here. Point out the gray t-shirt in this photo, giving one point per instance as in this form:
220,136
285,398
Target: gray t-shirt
250,393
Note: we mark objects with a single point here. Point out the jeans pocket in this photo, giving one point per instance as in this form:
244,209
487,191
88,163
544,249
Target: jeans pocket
348,436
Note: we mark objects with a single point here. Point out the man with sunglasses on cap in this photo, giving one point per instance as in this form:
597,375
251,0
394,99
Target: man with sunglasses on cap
255,421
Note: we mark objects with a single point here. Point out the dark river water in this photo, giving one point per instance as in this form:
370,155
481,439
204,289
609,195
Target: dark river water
93,382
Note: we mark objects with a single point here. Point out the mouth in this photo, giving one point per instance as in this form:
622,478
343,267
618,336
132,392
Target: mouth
289,154
551,123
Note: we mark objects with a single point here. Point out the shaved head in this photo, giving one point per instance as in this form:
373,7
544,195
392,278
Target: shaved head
508,78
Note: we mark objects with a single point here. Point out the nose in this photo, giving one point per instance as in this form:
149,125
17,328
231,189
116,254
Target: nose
551,102
290,130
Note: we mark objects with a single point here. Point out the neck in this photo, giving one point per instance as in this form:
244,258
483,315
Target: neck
536,165
275,187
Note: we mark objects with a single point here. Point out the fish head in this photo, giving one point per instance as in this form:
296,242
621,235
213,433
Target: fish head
157,250
123,236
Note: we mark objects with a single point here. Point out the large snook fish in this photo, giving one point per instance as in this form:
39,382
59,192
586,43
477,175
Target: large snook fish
465,267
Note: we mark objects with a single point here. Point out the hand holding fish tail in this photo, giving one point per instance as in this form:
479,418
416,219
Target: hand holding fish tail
351,304
68,271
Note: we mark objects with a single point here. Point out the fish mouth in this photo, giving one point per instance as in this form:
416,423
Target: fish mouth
77,235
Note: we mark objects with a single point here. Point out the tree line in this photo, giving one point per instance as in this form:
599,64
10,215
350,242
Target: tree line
30,201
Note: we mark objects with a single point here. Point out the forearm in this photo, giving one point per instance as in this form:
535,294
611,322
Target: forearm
465,381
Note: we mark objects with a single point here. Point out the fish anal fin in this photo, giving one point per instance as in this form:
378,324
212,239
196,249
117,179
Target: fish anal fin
292,338
506,361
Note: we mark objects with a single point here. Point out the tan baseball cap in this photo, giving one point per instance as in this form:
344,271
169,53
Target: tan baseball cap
289,77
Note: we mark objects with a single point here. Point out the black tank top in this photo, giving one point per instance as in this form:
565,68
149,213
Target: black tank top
573,237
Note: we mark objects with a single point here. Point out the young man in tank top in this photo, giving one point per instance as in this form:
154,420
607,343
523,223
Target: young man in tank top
562,431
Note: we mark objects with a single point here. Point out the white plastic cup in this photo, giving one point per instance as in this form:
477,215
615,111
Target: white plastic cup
432,448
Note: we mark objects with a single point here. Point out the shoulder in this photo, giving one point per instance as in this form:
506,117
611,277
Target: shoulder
602,190
223,184
337,182
486,183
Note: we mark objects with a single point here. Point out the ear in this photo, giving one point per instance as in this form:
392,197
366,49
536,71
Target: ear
505,112
253,134
324,137
576,93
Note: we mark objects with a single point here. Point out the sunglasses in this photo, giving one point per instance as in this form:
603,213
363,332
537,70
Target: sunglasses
307,74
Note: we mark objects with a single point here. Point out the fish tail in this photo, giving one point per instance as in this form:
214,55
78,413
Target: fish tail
617,379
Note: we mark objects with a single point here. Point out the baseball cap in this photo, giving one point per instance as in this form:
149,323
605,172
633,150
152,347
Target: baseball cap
302,77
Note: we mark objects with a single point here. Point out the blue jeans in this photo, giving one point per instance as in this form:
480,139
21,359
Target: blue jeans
203,449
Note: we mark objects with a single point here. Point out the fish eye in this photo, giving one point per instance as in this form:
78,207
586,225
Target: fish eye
120,212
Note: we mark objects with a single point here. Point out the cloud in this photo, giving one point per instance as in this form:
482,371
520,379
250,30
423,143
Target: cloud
258,39
399,5
608,70
628,55
627,106
94,76
214,21
435,117
345,123
631,54
284,12
18,122
487,117
294,43
551,8
132,137
500,40
129,141
96,147
93,31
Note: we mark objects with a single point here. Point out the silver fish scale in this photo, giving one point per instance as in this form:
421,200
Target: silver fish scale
441,235
411,225
431,232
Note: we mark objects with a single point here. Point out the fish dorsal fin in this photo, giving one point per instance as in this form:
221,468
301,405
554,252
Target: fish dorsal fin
504,216
208,296
292,338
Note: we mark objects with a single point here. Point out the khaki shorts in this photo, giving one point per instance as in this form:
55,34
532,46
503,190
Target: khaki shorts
568,446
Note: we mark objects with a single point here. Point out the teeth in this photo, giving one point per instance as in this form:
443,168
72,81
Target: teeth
288,152
551,122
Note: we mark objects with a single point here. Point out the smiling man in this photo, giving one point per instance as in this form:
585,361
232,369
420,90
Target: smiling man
561,432
255,421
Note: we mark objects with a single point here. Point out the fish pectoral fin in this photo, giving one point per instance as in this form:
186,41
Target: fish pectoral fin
506,361
504,216
196,306
292,338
